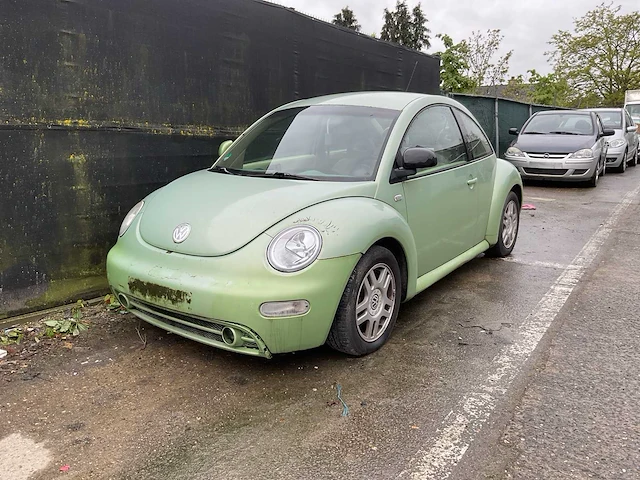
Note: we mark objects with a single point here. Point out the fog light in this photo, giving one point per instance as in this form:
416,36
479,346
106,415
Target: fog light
284,309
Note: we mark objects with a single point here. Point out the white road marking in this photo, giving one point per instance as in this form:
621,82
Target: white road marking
558,266
539,199
20,457
463,423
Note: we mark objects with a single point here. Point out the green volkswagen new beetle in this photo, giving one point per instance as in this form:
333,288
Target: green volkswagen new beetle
316,223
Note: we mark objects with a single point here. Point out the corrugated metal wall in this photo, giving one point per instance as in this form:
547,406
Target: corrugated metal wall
498,115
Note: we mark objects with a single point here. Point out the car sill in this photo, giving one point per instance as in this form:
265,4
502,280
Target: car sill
428,279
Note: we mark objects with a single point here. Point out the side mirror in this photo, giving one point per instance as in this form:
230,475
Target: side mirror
632,128
608,133
513,131
418,157
224,146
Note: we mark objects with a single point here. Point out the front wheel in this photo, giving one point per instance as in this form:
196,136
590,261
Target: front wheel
593,182
509,226
634,160
623,165
369,306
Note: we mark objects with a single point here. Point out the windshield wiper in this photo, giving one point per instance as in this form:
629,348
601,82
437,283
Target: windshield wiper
228,171
258,173
534,133
559,132
291,176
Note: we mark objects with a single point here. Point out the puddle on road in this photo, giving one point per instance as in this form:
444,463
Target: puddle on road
21,457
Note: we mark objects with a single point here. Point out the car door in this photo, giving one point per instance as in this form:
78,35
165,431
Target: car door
441,201
632,136
602,145
483,166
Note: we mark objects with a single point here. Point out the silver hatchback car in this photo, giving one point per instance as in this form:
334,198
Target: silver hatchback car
562,145
623,146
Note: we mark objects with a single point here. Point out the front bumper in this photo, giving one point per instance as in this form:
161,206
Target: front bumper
615,156
554,168
197,297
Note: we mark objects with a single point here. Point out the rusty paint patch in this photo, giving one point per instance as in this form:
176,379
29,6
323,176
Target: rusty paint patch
157,292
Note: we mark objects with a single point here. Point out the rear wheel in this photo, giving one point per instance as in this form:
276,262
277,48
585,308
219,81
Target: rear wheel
509,226
634,160
369,306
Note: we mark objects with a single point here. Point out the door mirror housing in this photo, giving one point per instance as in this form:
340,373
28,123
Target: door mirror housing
224,146
410,160
608,133
513,131
631,128
418,157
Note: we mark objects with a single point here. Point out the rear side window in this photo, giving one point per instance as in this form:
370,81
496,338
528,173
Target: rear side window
477,142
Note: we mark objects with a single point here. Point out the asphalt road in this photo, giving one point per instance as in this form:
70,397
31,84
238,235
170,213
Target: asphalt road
518,368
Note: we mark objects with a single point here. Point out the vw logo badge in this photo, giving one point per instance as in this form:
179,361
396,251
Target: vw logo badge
181,232
546,155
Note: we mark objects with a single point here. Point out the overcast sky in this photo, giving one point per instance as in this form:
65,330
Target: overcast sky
527,25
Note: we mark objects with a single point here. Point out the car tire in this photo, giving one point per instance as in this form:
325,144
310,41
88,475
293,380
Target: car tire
509,226
634,160
623,165
593,182
366,303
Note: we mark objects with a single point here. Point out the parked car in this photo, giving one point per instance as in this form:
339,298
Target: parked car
623,146
316,223
560,145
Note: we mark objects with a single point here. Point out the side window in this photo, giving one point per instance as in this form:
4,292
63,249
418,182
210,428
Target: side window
477,142
436,128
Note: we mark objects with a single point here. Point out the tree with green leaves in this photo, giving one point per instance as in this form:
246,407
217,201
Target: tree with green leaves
453,64
517,88
601,56
405,27
550,89
346,18
484,68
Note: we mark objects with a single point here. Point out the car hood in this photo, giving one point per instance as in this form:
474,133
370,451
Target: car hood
226,212
554,143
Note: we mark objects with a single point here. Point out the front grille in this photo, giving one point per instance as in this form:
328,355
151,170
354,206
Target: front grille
547,155
208,331
545,171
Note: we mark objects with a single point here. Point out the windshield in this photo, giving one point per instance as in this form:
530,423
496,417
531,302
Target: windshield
560,124
611,119
322,142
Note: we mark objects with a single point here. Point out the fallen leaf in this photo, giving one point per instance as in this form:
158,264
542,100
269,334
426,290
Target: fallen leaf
68,345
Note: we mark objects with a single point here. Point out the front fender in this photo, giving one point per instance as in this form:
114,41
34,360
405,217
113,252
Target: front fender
507,177
352,225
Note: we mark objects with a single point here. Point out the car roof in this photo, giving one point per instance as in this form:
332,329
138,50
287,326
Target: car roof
390,100
563,112
603,109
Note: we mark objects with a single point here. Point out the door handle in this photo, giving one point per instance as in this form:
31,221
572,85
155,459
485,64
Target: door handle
472,182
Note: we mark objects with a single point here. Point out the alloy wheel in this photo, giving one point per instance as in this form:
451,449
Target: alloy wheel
510,224
375,302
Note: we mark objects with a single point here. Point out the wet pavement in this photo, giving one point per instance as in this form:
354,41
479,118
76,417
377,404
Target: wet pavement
517,368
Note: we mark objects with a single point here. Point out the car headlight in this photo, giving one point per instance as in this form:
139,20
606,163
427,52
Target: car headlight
584,153
618,142
514,152
126,223
294,248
